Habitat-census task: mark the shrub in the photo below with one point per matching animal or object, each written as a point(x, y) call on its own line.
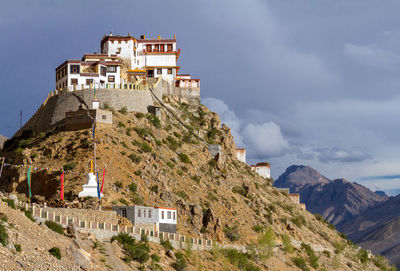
point(180, 263)
point(145, 147)
point(124, 201)
point(3, 235)
point(69, 166)
point(154, 120)
point(178, 135)
point(362, 255)
point(232, 233)
point(184, 158)
point(196, 178)
point(299, 221)
point(287, 244)
point(29, 215)
point(258, 228)
point(313, 259)
point(327, 253)
point(9, 202)
point(135, 158)
point(118, 184)
point(167, 245)
point(139, 115)
point(266, 243)
point(339, 246)
point(300, 263)
point(137, 200)
point(138, 172)
point(121, 124)
point(105, 106)
point(182, 194)
point(239, 190)
point(240, 259)
point(154, 188)
point(18, 247)
point(322, 219)
point(172, 143)
point(170, 164)
point(212, 197)
point(132, 187)
point(123, 238)
point(142, 132)
point(138, 252)
point(55, 251)
point(54, 226)
point(123, 110)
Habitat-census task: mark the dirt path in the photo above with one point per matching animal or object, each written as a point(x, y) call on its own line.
point(112, 259)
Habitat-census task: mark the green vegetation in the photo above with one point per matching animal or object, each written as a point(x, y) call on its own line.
point(123, 110)
point(134, 251)
point(135, 158)
point(382, 263)
point(3, 235)
point(362, 255)
point(118, 184)
point(145, 147)
point(181, 194)
point(300, 263)
point(180, 263)
point(299, 221)
point(137, 200)
point(240, 259)
point(54, 226)
point(184, 158)
point(29, 215)
point(18, 247)
point(172, 143)
point(154, 188)
point(312, 258)
point(123, 201)
point(120, 124)
point(143, 132)
point(266, 243)
point(167, 245)
point(258, 228)
point(138, 172)
point(339, 246)
point(139, 115)
point(326, 253)
point(132, 187)
point(9, 202)
point(232, 233)
point(154, 120)
point(287, 244)
point(239, 190)
point(69, 166)
point(55, 251)
point(323, 220)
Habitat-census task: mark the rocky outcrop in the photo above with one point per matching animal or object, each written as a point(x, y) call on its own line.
point(2, 140)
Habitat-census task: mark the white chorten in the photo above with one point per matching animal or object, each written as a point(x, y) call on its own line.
point(90, 188)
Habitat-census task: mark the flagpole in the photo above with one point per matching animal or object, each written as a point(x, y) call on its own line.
point(2, 165)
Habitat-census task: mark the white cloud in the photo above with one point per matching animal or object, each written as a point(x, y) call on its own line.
point(335, 154)
point(265, 140)
point(227, 116)
point(372, 56)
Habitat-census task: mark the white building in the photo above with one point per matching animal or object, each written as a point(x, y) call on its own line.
point(262, 169)
point(157, 218)
point(91, 69)
point(241, 154)
point(158, 57)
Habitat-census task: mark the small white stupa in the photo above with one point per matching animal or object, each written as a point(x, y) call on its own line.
point(90, 188)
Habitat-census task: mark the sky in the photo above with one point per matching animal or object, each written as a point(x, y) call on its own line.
point(311, 82)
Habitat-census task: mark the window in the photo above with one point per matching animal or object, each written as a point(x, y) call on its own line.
point(103, 71)
point(174, 217)
point(111, 78)
point(169, 71)
point(144, 213)
point(123, 212)
point(162, 214)
point(139, 213)
point(149, 213)
point(169, 47)
point(111, 68)
point(74, 69)
point(74, 81)
point(148, 48)
point(104, 117)
point(168, 215)
point(89, 81)
point(159, 71)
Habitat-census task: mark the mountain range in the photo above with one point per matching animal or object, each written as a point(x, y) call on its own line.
point(370, 219)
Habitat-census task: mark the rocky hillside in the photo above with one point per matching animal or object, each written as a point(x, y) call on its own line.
point(337, 201)
point(2, 140)
point(157, 162)
point(378, 229)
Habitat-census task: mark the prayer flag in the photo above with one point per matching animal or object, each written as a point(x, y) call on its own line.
point(102, 183)
point(62, 186)
point(29, 181)
point(98, 185)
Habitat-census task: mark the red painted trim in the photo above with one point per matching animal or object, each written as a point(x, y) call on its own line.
point(166, 208)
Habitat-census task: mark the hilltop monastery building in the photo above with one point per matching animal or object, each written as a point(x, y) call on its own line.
point(144, 58)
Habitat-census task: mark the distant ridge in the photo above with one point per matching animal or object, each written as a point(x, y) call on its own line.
point(338, 200)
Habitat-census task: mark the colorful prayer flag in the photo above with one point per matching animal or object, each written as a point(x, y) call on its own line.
point(98, 185)
point(102, 183)
point(29, 181)
point(62, 186)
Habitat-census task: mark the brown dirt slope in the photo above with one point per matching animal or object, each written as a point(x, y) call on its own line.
point(161, 164)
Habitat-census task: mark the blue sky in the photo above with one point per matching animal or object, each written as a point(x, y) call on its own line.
point(299, 82)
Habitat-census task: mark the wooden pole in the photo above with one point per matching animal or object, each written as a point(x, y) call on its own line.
point(2, 165)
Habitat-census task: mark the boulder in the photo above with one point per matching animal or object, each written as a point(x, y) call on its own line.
point(71, 231)
point(14, 198)
point(82, 258)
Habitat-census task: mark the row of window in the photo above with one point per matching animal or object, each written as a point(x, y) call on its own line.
point(158, 48)
point(159, 71)
point(169, 214)
point(74, 81)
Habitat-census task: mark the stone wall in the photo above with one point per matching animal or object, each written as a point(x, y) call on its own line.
point(162, 87)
